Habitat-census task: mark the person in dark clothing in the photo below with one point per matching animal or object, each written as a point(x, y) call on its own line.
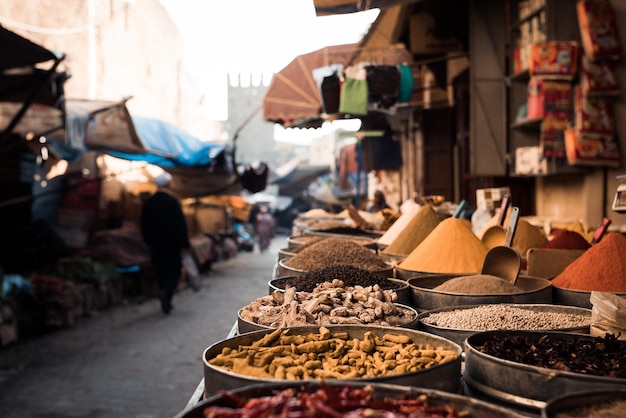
point(379, 202)
point(164, 230)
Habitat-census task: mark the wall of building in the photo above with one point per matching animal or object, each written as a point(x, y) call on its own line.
point(255, 136)
point(583, 197)
point(114, 49)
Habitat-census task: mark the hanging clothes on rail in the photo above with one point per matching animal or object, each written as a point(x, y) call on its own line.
point(354, 91)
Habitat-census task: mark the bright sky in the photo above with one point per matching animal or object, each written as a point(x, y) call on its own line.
point(254, 36)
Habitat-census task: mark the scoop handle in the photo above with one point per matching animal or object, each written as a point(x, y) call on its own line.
point(504, 207)
point(601, 230)
point(510, 231)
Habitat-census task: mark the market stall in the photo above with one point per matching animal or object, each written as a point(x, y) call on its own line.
point(506, 314)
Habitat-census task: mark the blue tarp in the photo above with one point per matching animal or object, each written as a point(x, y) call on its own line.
point(170, 146)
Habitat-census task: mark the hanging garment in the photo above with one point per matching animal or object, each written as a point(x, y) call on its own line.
point(331, 89)
point(329, 85)
point(354, 91)
point(405, 90)
point(383, 82)
point(254, 180)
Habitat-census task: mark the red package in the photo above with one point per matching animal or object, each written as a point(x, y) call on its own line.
point(552, 133)
point(547, 95)
point(597, 78)
point(594, 115)
point(591, 151)
point(554, 60)
point(598, 29)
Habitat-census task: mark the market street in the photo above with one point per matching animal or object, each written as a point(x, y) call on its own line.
point(132, 360)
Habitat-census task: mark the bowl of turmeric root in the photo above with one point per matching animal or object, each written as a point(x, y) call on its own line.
point(329, 303)
point(363, 353)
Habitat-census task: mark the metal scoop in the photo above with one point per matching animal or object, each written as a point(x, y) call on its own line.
point(503, 261)
point(496, 234)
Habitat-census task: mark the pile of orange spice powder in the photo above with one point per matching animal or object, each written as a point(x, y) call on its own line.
point(601, 268)
point(451, 247)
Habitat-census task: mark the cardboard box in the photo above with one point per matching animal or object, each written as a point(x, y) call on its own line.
point(530, 161)
point(489, 199)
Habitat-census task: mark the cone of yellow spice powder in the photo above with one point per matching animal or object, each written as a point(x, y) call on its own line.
point(527, 236)
point(418, 228)
point(451, 247)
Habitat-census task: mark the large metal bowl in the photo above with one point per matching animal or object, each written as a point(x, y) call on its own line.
point(243, 325)
point(424, 297)
point(569, 297)
point(445, 376)
point(474, 407)
point(405, 274)
point(400, 286)
point(459, 335)
point(522, 385)
point(583, 399)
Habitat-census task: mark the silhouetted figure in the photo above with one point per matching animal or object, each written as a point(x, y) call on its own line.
point(164, 230)
point(265, 226)
point(379, 202)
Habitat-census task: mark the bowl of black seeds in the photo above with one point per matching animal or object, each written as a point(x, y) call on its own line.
point(349, 275)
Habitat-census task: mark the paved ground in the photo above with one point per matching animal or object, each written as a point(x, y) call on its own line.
point(131, 360)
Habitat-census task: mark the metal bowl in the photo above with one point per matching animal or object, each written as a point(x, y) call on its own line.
point(474, 407)
point(459, 335)
point(243, 325)
point(583, 399)
point(569, 297)
point(425, 298)
point(524, 385)
point(401, 287)
point(391, 259)
point(284, 253)
point(285, 270)
point(404, 274)
point(445, 376)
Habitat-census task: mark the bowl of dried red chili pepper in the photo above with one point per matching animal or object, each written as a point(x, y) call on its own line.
point(326, 398)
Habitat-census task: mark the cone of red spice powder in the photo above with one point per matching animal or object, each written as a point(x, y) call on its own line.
point(567, 240)
point(601, 268)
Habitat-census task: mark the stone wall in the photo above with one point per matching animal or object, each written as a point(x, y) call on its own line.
point(114, 49)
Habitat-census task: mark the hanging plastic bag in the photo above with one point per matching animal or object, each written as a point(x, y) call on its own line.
point(608, 314)
point(354, 91)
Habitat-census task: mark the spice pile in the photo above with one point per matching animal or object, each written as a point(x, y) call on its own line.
point(329, 303)
point(567, 240)
point(333, 251)
point(503, 316)
point(422, 224)
point(348, 275)
point(478, 284)
point(296, 249)
point(451, 247)
point(601, 268)
point(586, 355)
point(527, 236)
point(331, 355)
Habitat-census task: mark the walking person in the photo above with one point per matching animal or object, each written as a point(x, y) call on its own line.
point(265, 225)
point(164, 230)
